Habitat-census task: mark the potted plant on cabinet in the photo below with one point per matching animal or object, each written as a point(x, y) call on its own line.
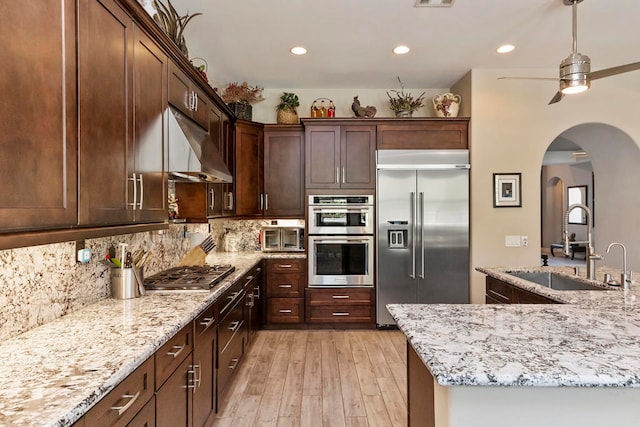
point(239, 98)
point(404, 104)
point(287, 113)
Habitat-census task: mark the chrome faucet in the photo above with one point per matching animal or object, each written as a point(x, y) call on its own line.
point(591, 256)
point(624, 278)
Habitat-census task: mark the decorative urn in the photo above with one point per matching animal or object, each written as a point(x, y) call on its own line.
point(447, 105)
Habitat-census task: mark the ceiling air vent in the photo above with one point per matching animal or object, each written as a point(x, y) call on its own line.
point(434, 3)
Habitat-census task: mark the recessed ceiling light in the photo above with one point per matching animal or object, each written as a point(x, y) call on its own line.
point(505, 48)
point(401, 50)
point(298, 50)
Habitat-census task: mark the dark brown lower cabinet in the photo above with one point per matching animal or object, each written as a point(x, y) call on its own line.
point(499, 292)
point(340, 305)
point(146, 417)
point(420, 391)
point(174, 400)
point(204, 362)
point(232, 338)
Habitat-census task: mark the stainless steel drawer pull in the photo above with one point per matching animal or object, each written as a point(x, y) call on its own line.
point(285, 266)
point(340, 314)
point(285, 311)
point(284, 286)
point(340, 296)
point(132, 398)
point(196, 377)
point(234, 325)
point(234, 363)
point(177, 350)
point(207, 322)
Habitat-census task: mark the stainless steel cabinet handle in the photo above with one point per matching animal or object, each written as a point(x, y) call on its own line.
point(413, 240)
point(196, 377)
point(250, 302)
point(266, 202)
point(230, 201)
point(337, 175)
point(213, 198)
point(422, 235)
point(257, 294)
point(195, 97)
point(141, 192)
point(285, 265)
point(284, 286)
point(135, 190)
point(234, 325)
point(340, 296)
point(261, 201)
point(207, 322)
point(343, 176)
point(177, 350)
point(338, 313)
point(234, 363)
point(132, 398)
point(285, 311)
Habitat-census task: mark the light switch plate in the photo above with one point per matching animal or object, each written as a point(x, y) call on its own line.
point(512, 241)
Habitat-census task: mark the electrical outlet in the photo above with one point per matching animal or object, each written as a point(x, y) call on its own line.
point(524, 241)
point(512, 241)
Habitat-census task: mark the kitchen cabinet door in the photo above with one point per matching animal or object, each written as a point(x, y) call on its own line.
point(340, 156)
point(284, 171)
point(249, 168)
point(322, 156)
point(148, 184)
point(105, 42)
point(185, 95)
point(38, 145)
point(204, 362)
point(358, 156)
point(228, 142)
point(174, 400)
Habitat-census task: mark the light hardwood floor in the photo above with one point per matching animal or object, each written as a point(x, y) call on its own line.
point(320, 378)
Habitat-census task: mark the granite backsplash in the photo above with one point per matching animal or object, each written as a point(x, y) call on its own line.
point(39, 284)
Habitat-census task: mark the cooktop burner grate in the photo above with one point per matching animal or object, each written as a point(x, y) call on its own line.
point(188, 278)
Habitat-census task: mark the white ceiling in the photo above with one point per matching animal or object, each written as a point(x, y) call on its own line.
point(350, 41)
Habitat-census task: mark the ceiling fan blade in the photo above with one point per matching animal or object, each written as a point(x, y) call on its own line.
point(556, 98)
point(528, 78)
point(614, 70)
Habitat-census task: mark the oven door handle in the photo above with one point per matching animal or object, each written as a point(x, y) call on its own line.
point(342, 240)
point(340, 210)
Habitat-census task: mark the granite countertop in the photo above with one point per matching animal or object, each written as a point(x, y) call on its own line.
point(589, 341)
point(53, 374)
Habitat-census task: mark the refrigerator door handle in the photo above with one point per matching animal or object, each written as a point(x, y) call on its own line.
point(422, 260)
point(413, 240)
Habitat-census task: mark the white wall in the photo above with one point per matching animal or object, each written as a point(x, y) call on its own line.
point(265, 111)
point(511, 128)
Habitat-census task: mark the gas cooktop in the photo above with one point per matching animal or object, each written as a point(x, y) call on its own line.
point(188, 278)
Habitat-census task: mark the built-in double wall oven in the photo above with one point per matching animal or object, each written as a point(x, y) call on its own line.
point(340, 247)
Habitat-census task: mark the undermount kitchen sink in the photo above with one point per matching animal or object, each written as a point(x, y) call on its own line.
point(556, 281)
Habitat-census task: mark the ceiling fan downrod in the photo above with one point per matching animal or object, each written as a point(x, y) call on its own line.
point(575, 69)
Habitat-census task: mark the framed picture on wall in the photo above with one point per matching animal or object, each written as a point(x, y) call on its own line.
point(507, 190)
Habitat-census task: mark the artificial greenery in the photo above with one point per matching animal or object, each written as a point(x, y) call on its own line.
point(241, 93)
point(288, 101)
point(402, 101)
point(172, 23)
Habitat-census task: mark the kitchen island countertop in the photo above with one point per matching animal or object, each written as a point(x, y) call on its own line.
point(590, 341)
point(53, 374)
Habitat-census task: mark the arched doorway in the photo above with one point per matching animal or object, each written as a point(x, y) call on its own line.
point(612, 193)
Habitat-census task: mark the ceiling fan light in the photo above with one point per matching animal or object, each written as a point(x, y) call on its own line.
point(576, 85)
point(574, 74)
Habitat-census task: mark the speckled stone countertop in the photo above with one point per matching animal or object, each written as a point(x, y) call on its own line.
point(592, 340)
point(53, 374)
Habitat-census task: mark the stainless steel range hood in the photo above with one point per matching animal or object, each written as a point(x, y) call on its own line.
point(192, 154)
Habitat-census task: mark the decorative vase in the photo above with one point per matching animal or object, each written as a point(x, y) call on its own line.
point(447, 105)
point(242, 110)
point(287, 117)
point(404, 113)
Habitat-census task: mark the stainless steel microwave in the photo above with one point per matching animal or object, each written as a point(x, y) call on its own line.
point(282, 239)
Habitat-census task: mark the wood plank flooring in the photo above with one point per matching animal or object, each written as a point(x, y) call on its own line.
point(320, 378)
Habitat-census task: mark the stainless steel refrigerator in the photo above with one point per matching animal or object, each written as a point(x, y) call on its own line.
point(422, 214)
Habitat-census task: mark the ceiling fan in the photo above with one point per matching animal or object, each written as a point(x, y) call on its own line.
point(575, 70)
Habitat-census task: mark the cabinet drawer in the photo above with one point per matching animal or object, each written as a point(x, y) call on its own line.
point(121, 404)
point(169, 356)
point(499, 290)
point(230, 298)
point(146, 417)
point(228, 362)
point(205, 325)
point(339, 296)
point(285, 310)
point(285, 285)
point(232, 324)
point(340, 314)
point(284, 265)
